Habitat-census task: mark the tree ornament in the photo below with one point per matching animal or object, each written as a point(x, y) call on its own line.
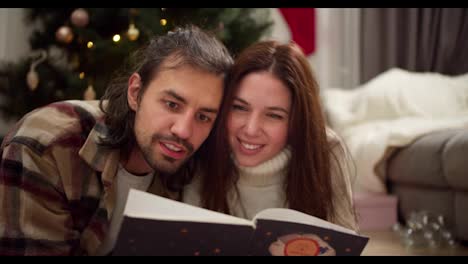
point(80, 17)
point(64, 34)
point(90, 94)
point(133, 32)
point(32, 78)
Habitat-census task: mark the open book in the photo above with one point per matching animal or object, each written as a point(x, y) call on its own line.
point(154, 225)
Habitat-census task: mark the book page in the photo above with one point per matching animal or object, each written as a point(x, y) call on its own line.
point(141, 204)
point(289, 215)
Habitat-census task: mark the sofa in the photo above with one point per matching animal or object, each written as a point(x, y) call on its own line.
point(408, 135)
point(432, 174)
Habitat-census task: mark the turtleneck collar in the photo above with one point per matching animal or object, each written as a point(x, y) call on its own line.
point(267, 173)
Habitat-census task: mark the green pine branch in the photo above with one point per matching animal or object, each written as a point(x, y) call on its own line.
point(59, 75)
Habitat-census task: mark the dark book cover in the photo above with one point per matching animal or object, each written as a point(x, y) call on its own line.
point(147, 237)
point(156, 226)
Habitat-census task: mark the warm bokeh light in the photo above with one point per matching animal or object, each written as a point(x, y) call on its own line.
point(116, 38)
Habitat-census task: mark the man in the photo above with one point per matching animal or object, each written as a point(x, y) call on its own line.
point(66, 168)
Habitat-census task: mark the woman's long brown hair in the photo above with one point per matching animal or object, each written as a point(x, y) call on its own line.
point(308, 186)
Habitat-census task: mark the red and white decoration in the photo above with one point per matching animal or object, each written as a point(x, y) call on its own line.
point(302, 26)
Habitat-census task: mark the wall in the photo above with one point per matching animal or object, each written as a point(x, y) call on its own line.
point(335, 62)
point(336, 59)
point(14, 34)
point(14, 43)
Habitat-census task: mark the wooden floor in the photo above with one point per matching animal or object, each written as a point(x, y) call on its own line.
point(387, 243)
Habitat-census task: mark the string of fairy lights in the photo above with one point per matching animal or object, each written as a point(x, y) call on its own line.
point(64, 34)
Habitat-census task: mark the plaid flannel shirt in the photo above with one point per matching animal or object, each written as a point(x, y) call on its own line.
point(56, 183)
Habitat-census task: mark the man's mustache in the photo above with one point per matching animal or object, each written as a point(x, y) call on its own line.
point(183, 142)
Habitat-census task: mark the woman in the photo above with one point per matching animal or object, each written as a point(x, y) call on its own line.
point(271, 147)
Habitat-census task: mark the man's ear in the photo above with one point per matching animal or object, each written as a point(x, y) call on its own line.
point(134, 87)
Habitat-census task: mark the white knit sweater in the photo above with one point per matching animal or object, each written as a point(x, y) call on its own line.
point(261, 187)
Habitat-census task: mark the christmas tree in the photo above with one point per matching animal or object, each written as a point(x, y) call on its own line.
point(75, 51)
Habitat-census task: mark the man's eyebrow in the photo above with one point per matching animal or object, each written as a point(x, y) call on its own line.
point(209, 110)
point(182, 99)
point(176, 96)
point(241, 100)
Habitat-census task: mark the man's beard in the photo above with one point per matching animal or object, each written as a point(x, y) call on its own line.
point(165, 164)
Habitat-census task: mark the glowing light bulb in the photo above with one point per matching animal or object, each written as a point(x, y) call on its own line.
point(116, 38)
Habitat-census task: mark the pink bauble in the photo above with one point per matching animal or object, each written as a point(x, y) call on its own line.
point(80, 17)
point(64, 34)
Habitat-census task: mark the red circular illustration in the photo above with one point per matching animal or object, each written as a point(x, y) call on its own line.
point(301, 246)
